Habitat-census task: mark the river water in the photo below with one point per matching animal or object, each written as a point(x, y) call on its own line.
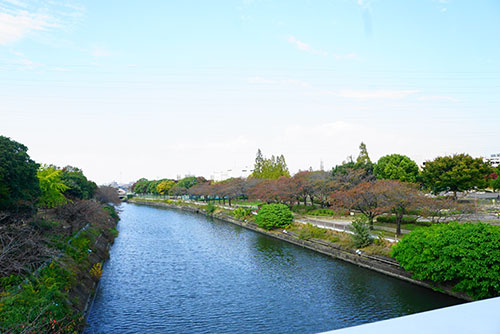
point(176, 272)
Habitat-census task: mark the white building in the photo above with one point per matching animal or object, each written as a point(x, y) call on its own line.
point(494, 160)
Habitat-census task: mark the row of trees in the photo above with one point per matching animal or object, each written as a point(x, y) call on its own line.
point(25, 185)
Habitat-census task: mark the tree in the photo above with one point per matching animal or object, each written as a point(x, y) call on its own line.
point(274, 215)
point(361, 233)
point(79, 187)
point(107, 194)
point(52, 187)
point(459, 172)
point(399, 198)
point(466, 256)
point(19, 186)
point(363, 157)
point(164, 186)
point(187, 182)
point(272, 168)
point(396, 167)
point(369, 198)
point(140, 186)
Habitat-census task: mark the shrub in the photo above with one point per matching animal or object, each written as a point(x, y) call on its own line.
point(240, 213)
point(303, 209)
point(361, 237)
point(321, 212)
point(210, 208)
point(392, 219)
point(311, 231)
point(112, 212)
point(466, 256)
point(274, 215)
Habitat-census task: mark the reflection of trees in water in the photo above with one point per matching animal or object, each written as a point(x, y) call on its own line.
point(274, 251)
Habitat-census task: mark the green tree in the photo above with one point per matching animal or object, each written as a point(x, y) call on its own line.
point(466, 256)
point(19, 187)
point(495, 183)
point(363, 157)
point(459, 172)
point(396, 167)
point(164, 186)
point(187, 182)
point(51, 186)
point(274, 215)
point(272, 168)
point(79, 187)
point(361, 233)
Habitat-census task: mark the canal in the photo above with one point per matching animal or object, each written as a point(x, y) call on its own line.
point(176, 272)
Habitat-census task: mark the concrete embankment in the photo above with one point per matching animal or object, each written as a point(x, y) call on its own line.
point(384, 265)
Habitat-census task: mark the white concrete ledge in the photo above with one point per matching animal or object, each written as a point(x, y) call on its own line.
point(474, 317)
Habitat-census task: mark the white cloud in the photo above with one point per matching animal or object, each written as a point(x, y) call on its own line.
point(374, 94)
point(306, 47)
point(15, 27)
point(20, 19)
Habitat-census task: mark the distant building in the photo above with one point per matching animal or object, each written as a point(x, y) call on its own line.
point(494, 160)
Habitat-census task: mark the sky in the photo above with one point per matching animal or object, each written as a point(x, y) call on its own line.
point(157, 89)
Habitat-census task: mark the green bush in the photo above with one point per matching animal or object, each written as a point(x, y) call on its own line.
point(303, 209)
point(466, 256)
point(210, 208)
point(112, 212)
point(241, 213)
point(310, 231)
point(321, 212)
point(274, 215)
point(392, 220)
point(361, 237)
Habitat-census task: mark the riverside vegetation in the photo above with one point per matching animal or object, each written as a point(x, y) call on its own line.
point(393, 193)
point(55, 226)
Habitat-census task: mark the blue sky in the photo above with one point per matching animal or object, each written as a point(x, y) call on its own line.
point(128, 89)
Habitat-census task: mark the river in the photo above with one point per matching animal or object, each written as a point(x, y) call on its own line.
point(172, 271)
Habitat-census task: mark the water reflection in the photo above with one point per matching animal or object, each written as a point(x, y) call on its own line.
point(177, 272)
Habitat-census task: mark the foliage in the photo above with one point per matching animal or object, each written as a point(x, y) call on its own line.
point(459, 172)
point(321, 212)
point(495, 183)
point(241, 213)
point(274, 215)
point(466, 256)
point(96, 271)
point(107, 195)
point(112, 212)
point(310, 231)
point(51, 186)
point(396, 167)
point(303, 209)
point(164, 186)
point(79, 187)
point(40, 304)
point(272, 168)
point(187, 182)
point(369, 198)
point(210, 208)
point(361, 237)
point(19, 187)
point(393, 219)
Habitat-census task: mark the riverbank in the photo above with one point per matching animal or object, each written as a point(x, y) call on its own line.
point(381, 264)
point(71, 244)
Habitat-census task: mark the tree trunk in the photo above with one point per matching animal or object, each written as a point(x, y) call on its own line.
point(398, 222)
point(370, 220)
point(229, 201)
